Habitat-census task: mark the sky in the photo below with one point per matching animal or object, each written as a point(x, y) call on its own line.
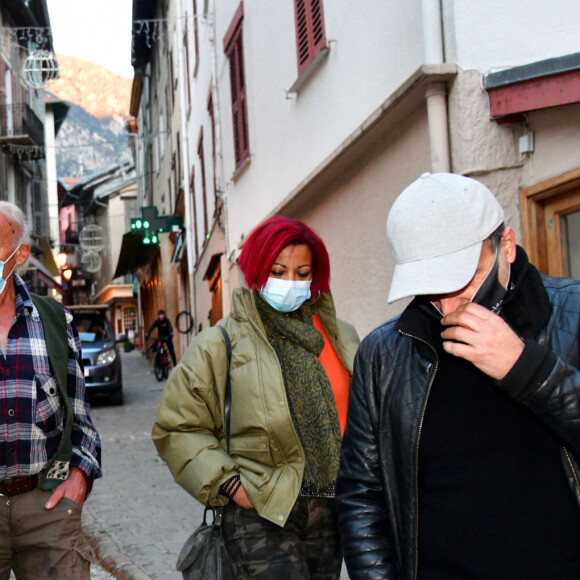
point(94, 30)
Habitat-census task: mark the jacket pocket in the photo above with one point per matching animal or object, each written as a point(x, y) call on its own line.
point(253, 456)
point(49, 411)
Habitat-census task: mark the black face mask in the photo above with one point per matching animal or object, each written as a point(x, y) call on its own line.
point(491, 293)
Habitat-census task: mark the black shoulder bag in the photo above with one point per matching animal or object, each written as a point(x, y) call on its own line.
point(204, 554)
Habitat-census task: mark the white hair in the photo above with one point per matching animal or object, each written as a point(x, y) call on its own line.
point(16, 216)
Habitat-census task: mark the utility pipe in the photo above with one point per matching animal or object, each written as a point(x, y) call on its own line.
point(436, 96)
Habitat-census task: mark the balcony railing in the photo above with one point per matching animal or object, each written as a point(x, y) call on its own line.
point(19, 124)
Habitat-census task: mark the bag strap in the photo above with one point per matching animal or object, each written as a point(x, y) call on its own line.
point(53, 319)
point(228, 393)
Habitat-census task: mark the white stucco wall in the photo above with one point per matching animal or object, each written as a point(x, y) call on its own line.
point(290, 135)
point(492, 34)
point(351, 219)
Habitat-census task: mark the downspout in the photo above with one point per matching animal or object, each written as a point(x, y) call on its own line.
point(188, 222)
point(221, 183)
point(436, 95)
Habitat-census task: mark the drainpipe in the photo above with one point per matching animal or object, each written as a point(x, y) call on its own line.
point(220, 178)
point(436, 95)
point(189, 230)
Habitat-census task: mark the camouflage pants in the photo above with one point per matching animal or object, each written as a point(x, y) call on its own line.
point(306, 548)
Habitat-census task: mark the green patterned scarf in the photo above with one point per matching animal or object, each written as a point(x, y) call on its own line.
point(298, 344)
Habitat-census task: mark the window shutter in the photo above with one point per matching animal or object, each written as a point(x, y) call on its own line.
point(195, 30)
point(233, 47)
point(241, 145)
point(310, 33)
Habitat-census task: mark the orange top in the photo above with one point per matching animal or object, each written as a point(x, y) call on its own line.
point(337, 374)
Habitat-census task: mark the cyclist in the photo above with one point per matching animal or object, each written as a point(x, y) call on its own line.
point(164, 332)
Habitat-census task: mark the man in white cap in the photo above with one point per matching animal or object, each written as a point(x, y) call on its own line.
point(460, 455)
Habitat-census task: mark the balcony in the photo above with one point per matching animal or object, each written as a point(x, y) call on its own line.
point(20, 125)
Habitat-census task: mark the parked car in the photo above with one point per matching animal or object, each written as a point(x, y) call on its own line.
point(101, 354)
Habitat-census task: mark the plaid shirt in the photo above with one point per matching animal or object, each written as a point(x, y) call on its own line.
point(31, 413)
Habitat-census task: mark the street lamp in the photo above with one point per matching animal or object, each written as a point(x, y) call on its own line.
point(61, 258)
point(67, 273)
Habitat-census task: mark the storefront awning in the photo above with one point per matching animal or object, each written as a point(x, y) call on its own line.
point(47, 257)
point(134, 254)
point(43, 273)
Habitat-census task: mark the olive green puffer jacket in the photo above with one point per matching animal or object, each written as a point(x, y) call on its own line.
point(264, 446)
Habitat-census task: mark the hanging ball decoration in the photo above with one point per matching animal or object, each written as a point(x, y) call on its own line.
point(40, 68)
point(91, 261)
point(92, 238)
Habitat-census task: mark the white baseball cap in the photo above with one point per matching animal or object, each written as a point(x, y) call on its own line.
point(436, 229)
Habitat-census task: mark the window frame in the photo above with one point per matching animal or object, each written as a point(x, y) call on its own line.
point(311, 42)
point(234, 50)
point(544, 203)
point(200, 153)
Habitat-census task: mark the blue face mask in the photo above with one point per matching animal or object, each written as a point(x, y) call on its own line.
point(3, 278)
point(286, 295)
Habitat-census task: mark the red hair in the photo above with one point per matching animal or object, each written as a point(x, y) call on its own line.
point(266, 242)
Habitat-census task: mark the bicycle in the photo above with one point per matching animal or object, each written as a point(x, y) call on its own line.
point(161, 359)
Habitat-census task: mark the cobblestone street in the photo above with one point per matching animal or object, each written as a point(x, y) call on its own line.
point(137, 503)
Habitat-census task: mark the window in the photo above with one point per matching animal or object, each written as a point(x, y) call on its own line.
point(156, 156)
point(192, 193)
point(214, 278)
point(551, 224)
point(186, 50)
point(233, 47)
point(213, 158)
point(161, 135)
point(129, 318)
point(178, 175)
point(310, 34)
point(195, 32)
point(203, 188)
point(172, 80)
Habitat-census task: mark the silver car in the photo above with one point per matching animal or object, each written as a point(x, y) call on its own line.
point(101, 354)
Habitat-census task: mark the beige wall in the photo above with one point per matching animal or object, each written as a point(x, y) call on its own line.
point(557, 143)
point(351, 220)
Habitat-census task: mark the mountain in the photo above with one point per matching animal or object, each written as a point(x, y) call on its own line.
point(93, 136)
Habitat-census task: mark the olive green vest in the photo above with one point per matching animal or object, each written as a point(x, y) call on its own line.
point(53, 320)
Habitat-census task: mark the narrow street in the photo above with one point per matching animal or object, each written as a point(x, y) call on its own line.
point(136, 502)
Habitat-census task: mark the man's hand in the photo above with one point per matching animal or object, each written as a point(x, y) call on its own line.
point(74, 487)
point(483, 338)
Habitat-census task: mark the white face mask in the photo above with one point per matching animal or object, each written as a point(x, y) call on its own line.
point(286, 295)
point(3, 278)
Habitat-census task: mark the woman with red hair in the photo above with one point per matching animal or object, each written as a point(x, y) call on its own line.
point(290, 370)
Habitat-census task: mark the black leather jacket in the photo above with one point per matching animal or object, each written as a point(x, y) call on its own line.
point(394, 369)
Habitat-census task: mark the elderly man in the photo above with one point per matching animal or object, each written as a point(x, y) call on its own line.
point(49, 448)
point(459, 458)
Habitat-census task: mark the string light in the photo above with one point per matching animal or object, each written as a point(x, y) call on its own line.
point(41, 37)
point(26, 152)
point(151, 30)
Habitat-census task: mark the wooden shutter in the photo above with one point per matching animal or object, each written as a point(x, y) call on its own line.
point(310, 33)
point(2, 81)
point(233, 47)
point(239, 110)
point(193, 201)
point(195, 30)
point(187, 69)
point(200, 154)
